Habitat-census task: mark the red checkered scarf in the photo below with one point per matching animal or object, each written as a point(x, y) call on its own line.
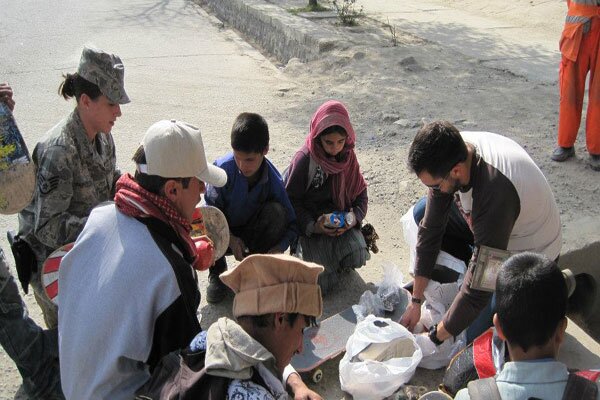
point(133, 200)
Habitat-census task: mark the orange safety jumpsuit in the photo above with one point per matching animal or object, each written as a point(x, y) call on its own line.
point(579, 48)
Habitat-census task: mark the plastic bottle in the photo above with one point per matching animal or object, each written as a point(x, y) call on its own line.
point(350, 218)
point(335, 219)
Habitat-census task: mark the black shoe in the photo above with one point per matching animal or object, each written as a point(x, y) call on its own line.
point(595, 162)
point(216, 290)
point(561, 154)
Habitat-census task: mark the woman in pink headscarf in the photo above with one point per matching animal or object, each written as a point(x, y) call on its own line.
point(325, 177)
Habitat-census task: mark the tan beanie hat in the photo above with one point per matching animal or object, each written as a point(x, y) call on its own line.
point(265, 284)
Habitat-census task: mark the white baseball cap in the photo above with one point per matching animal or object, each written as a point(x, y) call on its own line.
point(174, 149)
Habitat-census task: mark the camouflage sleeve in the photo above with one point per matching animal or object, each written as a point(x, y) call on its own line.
point(54, 225)
point(113, 155)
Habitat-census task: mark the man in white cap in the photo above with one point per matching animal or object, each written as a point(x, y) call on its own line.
point(276, 297)
point(128, 291)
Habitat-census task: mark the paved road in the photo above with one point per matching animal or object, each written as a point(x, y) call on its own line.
point(178, 64)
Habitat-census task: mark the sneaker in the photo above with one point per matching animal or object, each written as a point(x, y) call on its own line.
point(595, 162)
point(216, 290)
point(561, 154)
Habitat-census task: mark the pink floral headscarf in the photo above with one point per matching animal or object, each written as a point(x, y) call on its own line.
point(347, 181)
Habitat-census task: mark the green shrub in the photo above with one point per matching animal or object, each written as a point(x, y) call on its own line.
point(347, 12)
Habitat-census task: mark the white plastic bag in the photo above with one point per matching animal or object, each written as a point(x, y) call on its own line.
point(438, 298)
point(436, 357)
point(374, 380)
point(410, 230)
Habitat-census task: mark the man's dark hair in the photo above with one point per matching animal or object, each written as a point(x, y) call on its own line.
point(266, 320)
point(250, 133)
point(436, 148)
point(531, 299)
point(153, 183)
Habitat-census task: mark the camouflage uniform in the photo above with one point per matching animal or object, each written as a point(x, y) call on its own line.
point(74, 174)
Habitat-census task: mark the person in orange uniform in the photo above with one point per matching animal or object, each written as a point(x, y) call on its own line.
point(579, 48)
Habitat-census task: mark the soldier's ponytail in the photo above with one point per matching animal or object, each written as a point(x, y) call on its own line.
point(74, 86)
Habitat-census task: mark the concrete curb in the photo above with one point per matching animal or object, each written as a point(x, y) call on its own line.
point(272, 28)
point(581, 254)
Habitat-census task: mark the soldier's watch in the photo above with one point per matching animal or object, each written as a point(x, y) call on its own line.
point(433, 335)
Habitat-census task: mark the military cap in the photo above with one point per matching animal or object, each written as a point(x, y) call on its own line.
point(105, 71)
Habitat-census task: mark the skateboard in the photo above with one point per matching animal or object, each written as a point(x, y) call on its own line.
point(17, 170)
point(324, 342)
point(328, 340)
point(208, 220)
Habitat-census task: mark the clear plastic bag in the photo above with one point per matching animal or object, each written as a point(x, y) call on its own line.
point(390, 290)
point(369, 304)
point(374, 380)
point(390, 298)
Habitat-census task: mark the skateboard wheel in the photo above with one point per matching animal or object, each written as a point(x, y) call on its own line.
point(317, 376)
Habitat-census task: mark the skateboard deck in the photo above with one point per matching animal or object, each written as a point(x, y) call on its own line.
point(324, 342)
point(328, 340)
point(208, 221)
point(17, 171)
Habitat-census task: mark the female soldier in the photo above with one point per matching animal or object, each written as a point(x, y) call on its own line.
point(76, 164)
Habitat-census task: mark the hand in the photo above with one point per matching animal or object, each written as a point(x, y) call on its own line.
point(237, 247)
point(321, 229)
point(6, 95)
point(342, 230)
point(300, 390)
point(411, 316)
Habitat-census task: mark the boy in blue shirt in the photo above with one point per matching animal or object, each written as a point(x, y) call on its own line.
point(260, 216)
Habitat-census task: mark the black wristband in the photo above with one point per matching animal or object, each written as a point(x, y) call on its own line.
point(433, 335)
point(416, 300)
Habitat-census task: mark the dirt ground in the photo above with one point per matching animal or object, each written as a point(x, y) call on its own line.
point(389, 91)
